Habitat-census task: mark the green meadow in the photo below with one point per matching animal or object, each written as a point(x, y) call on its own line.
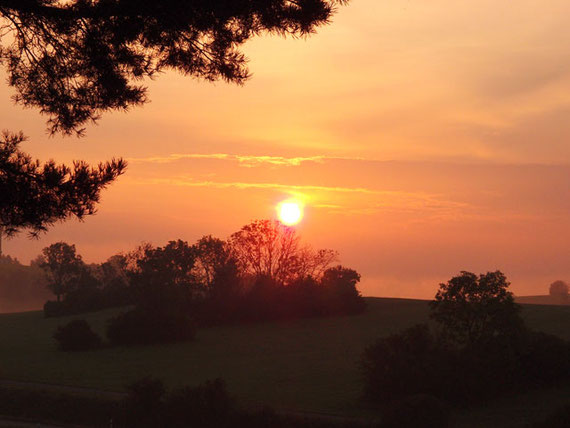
point(306, 365)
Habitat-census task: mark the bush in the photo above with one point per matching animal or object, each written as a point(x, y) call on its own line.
point(85, 300)
point(483, 348)
point(410, 362)
point(148, 405)
point(139, 327)
point(417, 362)
point(206, 405)
point(77, 336)
point(419, 410)
point(53, 309)
point(545, 360)
point(560, 418)
point(144, 405)
point(57, 407)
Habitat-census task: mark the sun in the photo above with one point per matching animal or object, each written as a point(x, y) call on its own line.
point(290, 212)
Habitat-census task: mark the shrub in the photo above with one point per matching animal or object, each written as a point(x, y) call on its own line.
point(545, 360)
point(85, 300)
point(418, 410)
point(560, 418)
point(410, 362)
point(76, 336)
point(58, 407)
point(139, 327)
point(417, 362)
point(144, 405)
point(53, 308)
point(206, 405)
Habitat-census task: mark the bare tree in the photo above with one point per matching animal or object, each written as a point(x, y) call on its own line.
point(268, 248)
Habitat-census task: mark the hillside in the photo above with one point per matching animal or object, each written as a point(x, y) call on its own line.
point(542, 300)
point(304, 365)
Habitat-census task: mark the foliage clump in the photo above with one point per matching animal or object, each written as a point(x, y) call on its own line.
point(261, 273)
point(479, 349)
point(148, 404)
point(36, 196)
point(77, 336)
point(472, 310)
point(75, 59)
point(138, 327)
point(80, 287)
point(559, 291)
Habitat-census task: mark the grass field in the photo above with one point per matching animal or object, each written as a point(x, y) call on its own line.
point(307, 365)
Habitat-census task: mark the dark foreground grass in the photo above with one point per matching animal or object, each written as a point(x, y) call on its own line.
point(307, 365)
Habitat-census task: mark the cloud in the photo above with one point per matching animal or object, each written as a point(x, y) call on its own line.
point(189, 182)
point(248, 161)
point(337, 199)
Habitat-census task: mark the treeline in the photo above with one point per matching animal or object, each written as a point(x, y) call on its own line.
point(261, 273)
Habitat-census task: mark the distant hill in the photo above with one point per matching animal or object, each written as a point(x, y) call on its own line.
point(541, 300)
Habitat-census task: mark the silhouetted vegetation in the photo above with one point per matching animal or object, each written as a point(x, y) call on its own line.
point(140, 327)
point(76, 336)
point(79, 287)
point(262, 273)
point(472, 310)
point(560, 418)
point(64, 268)
point(74, 60)
point(559, 290)
point(479, 349)
point(149, 405)
point(54, 407)
point(35, 195)
point(415, 411)
point(208, 405)
point(115, 44)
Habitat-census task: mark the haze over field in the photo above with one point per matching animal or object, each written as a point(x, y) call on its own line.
point(431, 137)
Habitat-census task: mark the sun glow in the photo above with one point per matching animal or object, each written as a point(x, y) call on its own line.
point(290, 212)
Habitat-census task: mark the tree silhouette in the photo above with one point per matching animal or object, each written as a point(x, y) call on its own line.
point(212, 254)
point(473, 309)
point(342, 295)
point(76, 59)
point(63, 268)
point(270, 249)
point(165, 277)
point(35, 195)
point(559, 289)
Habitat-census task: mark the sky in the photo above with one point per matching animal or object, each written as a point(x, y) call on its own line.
point(425, 138)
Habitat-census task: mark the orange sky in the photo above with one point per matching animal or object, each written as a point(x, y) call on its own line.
point(426, 137)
